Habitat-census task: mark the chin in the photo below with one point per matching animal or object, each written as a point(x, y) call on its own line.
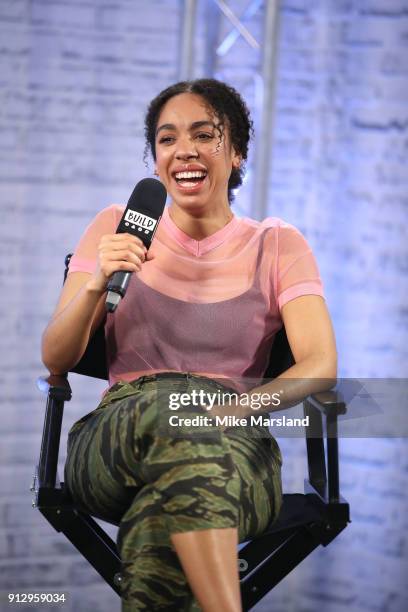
point(189, 202)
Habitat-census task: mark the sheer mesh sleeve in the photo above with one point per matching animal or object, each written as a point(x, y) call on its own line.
point(84, 258)
point(298, 273)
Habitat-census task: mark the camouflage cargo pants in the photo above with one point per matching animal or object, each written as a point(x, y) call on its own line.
point(122, 466)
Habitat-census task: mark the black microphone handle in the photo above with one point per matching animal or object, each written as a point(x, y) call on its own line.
point(117, 286)
point(119, 282)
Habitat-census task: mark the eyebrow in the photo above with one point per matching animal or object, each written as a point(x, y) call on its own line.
point(193, 126)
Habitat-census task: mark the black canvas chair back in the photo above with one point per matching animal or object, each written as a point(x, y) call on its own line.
point(306, 521)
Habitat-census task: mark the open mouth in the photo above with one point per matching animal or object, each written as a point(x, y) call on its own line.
point(191, 178)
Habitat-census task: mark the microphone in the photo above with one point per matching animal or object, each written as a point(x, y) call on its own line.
point(141, 218)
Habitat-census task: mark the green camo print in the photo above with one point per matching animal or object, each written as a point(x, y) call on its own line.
point(122, 466)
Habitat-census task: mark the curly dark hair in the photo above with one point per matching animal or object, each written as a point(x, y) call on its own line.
point(227, 105)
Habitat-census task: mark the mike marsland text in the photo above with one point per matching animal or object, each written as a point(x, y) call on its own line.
point(233, 421)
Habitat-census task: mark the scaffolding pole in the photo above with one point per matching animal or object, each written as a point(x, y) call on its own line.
point(186, 68)
point(263, 151)
point(212, 31)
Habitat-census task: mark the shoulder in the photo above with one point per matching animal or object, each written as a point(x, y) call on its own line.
point(279, 238)
point(275, 223)
point(106, 220)
point(110, 214)
point(277, 229)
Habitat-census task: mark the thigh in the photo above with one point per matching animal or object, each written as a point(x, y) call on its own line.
point(115, 450)
point(258, 462)
point(101, 470)
point(124, 445)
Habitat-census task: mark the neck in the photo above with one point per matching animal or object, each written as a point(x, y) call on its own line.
point(199, 224)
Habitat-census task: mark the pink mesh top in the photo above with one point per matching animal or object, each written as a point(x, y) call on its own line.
point(210, 307)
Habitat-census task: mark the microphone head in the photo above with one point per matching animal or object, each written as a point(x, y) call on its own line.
point(144, 210)
point(149, 194)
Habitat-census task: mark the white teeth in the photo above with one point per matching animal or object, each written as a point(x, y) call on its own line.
point(187, 184)
point(187, 175)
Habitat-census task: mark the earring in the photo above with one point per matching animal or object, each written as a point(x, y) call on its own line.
point(155, 172)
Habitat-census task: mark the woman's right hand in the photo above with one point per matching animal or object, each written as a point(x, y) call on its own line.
point(117, 252)
point(81, 306)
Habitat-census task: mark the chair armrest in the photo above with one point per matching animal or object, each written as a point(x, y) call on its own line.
point(58, 391)
point(55, 386)
point(330, 403)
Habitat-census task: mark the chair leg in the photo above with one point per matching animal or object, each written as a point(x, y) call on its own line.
point(89, 539)
point(298, 546)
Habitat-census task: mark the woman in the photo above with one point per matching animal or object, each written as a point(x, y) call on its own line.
point(200, 314)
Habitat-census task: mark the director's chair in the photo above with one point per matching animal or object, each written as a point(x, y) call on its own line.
point(306, 520)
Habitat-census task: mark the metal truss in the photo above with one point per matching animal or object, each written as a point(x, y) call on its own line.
point(264, 78)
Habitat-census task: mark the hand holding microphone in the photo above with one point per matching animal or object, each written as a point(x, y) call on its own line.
point(122, 253)
point(118, 252)
point(140, 219)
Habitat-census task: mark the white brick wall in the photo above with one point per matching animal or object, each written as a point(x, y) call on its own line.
point(75, 79)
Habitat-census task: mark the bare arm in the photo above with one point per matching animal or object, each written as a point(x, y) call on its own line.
point(80, 309)
point(311, 338)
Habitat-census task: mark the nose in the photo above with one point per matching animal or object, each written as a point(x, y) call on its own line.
point(186, 149)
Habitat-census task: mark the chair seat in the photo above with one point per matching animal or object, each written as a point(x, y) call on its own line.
point(297, 509)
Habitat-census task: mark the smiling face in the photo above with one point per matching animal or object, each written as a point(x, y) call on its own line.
point(194, 158)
